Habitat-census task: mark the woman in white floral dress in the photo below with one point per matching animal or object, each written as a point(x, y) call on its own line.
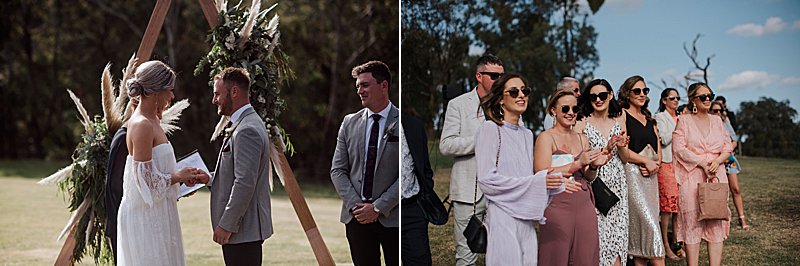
point(600, 121)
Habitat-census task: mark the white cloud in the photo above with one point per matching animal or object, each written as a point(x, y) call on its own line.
point(749, 79)
point(791, 81)
point(772, 25)
point(797, 24)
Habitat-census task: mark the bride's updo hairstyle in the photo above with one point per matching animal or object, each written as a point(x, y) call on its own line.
point(151, 77)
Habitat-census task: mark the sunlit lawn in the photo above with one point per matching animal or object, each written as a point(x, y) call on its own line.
point(771, 191)
point(31, 216)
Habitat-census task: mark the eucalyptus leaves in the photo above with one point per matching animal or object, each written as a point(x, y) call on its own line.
point(247, 38)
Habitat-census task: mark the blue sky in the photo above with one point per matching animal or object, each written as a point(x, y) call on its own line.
point(755, 43)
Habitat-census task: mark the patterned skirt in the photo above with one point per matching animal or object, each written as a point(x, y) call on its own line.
point(732, 165)
point(667, 189)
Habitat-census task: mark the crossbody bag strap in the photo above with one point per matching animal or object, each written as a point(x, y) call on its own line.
point(496, 163)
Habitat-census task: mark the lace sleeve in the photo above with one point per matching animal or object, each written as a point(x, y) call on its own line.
point(151, 183)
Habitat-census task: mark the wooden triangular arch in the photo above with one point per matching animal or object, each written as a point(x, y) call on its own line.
point(291, 186)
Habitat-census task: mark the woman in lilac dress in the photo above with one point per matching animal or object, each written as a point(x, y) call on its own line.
point(516, 197)
point(570, 235)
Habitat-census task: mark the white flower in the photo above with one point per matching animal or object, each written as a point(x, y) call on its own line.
point(229, 41)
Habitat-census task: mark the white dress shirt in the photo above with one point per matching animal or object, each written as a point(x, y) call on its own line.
point(381, 124)
point(238, 113)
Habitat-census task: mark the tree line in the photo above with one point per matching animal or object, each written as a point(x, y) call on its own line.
point(50, 46)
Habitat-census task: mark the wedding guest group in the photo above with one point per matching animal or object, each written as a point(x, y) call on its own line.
point(605, 181)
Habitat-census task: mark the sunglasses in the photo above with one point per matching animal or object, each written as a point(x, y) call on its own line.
point(565, 109)
point(602, 96)
point(514, 92)
point(638, 91)
point(576, 90)
point(716, 111)
point(492, 75)
point(674, 98)
point(705, 97)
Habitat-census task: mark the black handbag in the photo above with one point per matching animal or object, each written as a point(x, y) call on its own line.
point(604, 198)
point(432, 207)
point(476, 234)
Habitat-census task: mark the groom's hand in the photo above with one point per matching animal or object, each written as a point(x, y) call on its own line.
point(365, 213)
point(221, 236)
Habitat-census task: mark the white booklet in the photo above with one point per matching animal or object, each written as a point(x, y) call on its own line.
point(192, 159)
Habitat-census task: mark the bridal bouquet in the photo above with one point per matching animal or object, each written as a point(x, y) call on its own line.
point(247, 38)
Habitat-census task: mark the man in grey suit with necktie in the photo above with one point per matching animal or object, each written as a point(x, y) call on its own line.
point(461, 122)
point(365, 169)
point(240, 200)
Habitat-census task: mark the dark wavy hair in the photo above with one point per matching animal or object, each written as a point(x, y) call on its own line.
point(626, 88)
point(491, 102)
point(585, 105)
point(693, 93)
point(664, 95)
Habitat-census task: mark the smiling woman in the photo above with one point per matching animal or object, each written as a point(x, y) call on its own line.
point(504, 155)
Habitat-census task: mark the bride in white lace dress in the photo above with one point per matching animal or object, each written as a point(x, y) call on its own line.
point(148, 226)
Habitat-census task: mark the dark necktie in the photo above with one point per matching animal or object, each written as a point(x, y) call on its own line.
point(372, 152)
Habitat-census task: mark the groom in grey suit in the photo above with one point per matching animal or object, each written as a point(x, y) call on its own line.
point(365, 170)
point(240, 201)
point(461, 122)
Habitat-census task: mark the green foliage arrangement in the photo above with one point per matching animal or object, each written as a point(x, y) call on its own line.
point(85, 187)
point(245, 38)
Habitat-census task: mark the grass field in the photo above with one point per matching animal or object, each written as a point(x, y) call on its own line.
point(771, 192)
point(31, 216)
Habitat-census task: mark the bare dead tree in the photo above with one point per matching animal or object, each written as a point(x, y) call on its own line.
point(693, 56)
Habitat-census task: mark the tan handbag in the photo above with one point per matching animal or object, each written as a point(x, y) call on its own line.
point(650, 153)
point(713, 200)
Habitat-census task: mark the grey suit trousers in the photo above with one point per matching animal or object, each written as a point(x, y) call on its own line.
point(461, 213)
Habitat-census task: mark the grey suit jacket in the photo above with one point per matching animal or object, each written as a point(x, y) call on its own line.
point(240, 201)
point(665, 126)
point(347, 167)
point(461, 122)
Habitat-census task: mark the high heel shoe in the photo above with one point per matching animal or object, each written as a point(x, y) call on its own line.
point(743, 224)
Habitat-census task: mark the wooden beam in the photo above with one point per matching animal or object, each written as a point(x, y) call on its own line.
point(210, 12)
point(153, 30)
point(65, 256)
point(318, 246)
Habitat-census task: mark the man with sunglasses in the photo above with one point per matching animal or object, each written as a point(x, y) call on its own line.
point(567, 84)
point(461, 122)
